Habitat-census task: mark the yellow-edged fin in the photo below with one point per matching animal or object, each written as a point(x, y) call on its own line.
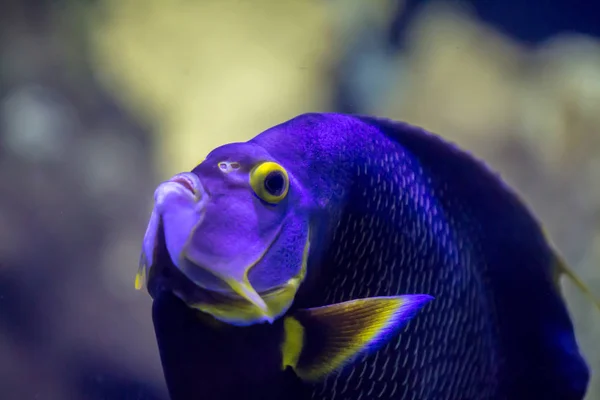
point(319, 341)
point(561, 267)
point(140, 277)
point(242, 312)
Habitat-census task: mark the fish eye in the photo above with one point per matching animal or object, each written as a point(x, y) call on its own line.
point(270, 182)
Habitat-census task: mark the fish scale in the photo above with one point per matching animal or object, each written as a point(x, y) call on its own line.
point(425, 320)
point(363, 263)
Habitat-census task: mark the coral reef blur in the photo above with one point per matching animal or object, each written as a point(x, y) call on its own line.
point(100, 100)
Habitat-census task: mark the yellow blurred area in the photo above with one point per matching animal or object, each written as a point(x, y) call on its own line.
point(209, 72)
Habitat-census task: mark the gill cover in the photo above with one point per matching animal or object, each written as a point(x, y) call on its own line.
point(274, 302)
point(180, 205)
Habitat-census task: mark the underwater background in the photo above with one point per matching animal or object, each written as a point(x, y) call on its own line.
point(100, 100)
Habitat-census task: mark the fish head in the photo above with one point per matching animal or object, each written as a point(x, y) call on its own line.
point(234, 228)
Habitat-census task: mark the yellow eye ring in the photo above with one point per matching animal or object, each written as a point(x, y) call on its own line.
point(270, 182)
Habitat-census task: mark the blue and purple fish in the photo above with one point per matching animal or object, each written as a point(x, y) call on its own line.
point(289, 267)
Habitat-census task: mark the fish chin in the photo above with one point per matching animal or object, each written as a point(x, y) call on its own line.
point(237, 302)
point(225, 302)
point(222, 303)
point(233, 309)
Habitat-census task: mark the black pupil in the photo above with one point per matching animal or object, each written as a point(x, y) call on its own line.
point(275, 183)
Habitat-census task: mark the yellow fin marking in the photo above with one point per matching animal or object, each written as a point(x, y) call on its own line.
point(563, 268)
point(140, 277)
point(292, 344)
point(245, 290)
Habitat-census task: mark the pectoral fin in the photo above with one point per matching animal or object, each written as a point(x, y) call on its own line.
point(140, 278)
point(141, 275)
point(321, 340)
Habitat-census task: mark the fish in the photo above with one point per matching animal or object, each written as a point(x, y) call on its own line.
point(284, 263)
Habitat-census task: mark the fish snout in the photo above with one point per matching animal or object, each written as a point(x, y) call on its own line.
point(182, 190)
point(179, 206)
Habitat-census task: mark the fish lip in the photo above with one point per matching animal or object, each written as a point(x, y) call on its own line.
point(185, 181)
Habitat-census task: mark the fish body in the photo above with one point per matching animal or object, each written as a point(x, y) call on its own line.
point(205, 363)
point(385, 209)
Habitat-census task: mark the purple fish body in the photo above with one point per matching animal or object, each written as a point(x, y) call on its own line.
point(390, 209)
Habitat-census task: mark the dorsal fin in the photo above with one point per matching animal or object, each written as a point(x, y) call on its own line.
point(561, 268)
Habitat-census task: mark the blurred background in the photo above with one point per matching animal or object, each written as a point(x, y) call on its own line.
point(100, 100)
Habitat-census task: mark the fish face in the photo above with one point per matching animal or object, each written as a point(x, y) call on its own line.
point(230, 228)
